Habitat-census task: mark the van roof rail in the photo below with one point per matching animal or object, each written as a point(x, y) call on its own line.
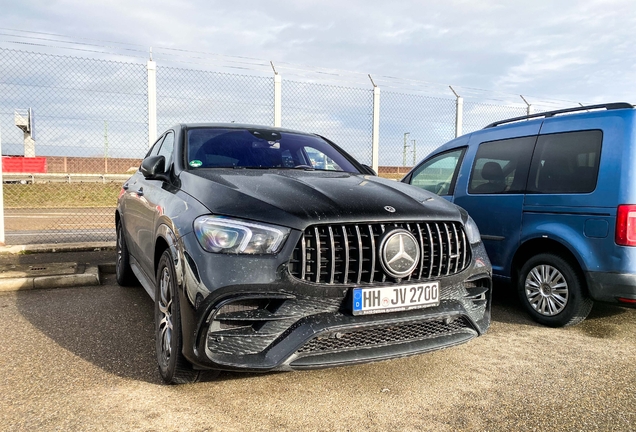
point(547, 114)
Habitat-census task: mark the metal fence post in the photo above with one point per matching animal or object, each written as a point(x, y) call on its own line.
point(459, 113)
point(151, 66)
point(278, 97)
point(375, 137)
point(529, 108)
point(1, 196)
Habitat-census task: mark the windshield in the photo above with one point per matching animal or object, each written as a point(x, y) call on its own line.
point(262, 148)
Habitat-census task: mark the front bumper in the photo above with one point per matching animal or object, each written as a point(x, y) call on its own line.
point(271, 321)
point(610, 287)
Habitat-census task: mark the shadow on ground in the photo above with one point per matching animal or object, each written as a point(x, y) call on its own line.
point(113, 327)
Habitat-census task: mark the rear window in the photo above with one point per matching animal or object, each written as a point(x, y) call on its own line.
point(566, 163)
point(262, 148)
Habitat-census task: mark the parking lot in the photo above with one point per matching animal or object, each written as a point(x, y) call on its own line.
point(83, 359)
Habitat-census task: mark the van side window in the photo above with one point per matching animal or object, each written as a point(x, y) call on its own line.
point(501, 166)
point(566, 163)
point(438, 174)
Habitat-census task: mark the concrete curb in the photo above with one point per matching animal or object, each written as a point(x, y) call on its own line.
point(57, 247)
point(90, 276)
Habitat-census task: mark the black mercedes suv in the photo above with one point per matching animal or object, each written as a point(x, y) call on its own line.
point(269, 249)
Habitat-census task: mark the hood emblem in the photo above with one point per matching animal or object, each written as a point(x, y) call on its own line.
point(399, 253)
point(389, 209)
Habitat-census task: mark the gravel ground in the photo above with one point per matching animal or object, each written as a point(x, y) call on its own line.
point(83, 359)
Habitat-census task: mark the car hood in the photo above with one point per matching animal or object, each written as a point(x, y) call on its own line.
point(297, 198)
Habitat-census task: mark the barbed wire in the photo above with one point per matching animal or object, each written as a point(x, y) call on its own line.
point(246, 63)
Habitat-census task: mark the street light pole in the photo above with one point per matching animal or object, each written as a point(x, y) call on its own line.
point(406, 134)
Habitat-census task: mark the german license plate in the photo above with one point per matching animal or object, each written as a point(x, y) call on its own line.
point(395, 298)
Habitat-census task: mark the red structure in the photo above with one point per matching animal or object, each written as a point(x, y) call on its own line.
point(34, 165)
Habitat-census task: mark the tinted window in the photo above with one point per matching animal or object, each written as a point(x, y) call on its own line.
point(501, 166)
point(437, 174)
point(566, 163)
point(255, 148)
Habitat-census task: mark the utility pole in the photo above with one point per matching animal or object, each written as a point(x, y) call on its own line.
point(406, 134)
point(414, 153)
point(105, 147)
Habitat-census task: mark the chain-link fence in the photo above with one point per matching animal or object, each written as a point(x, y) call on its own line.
point(83, 124)
point(185, 96)
point(411, 126)
point(73, 129)
point(478, 115)
point(342, 114)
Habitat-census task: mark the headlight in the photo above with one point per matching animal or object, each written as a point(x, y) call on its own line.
point(225, 235)
point(472, 231)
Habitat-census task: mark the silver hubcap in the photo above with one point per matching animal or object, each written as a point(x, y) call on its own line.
point(165, 308)
point(546, 290)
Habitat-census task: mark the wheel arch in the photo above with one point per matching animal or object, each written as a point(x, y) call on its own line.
point(540, 245)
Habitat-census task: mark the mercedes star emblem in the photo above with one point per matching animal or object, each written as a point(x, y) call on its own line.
point(399, 253)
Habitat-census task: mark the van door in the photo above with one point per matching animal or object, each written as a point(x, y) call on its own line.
point(438, 174)
point(495, 174)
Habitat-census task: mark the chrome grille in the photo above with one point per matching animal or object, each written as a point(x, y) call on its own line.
point(347, 254)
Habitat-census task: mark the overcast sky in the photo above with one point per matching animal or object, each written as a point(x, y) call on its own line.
point(581, 50)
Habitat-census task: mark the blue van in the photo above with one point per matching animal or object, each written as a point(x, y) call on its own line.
point(554, 196)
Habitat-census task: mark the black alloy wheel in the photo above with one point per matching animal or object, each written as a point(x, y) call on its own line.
point(123, 271)
point(173, 366)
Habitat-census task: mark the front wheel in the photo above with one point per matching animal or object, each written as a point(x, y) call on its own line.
point(123, 271)
point(173, 366)
point(551, 290)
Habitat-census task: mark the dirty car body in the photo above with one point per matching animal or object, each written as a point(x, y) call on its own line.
point(268, 249)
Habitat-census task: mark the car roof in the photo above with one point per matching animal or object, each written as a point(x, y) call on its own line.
point(240, 126)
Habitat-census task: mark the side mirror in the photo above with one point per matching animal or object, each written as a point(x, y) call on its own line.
point(369, 170)
point(153, 168)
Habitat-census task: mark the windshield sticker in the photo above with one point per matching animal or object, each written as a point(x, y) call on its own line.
point(196, 163)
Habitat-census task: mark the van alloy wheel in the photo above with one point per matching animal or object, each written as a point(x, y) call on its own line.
point(546, 290)
point(553, 291)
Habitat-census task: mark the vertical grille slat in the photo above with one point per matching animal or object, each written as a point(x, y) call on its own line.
point(348, 254)
point(449, 252)
point(345, 239)
point(419, 232)
point(372, 272)
point(318, 257)
point(360, 255)
point(303, 260)
point(332, 246)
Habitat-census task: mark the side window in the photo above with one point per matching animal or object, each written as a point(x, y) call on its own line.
point(155, 147)
point(166, 149)
point(501, 166)
point(438, 174)
point(566, 163)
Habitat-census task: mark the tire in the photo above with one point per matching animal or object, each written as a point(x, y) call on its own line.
point(551, 290)
point(173, 366)
point(125, 275)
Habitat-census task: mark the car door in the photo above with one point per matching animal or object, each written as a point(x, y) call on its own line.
point(496, 173)
point(133, 207)
point(153, 195)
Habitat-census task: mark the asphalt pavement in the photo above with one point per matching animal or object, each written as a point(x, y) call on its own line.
point(83, 359)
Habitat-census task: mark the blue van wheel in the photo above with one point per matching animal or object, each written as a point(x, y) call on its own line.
point(552, 292)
